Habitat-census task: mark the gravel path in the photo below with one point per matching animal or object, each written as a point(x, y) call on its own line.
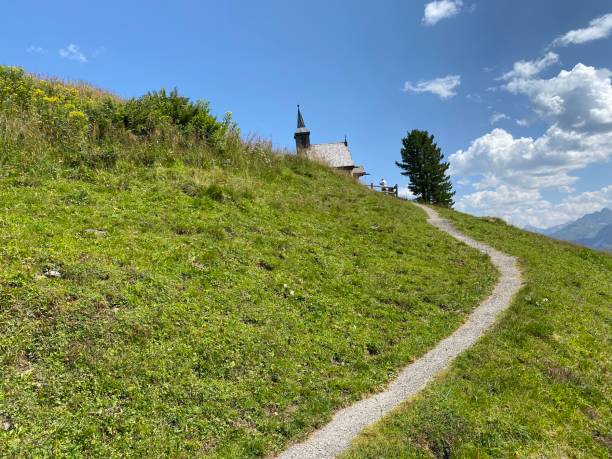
point(347, 423)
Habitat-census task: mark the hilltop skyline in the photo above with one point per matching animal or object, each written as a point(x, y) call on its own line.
point(518, 95)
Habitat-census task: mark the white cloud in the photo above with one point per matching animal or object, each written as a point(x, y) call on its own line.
point(441, 9)
point(509, 172)
point(530, 69)
point(579, 99)
point(498, 158)
point(405, 193)
point(598, 28)
point(497, 117)
point(522, 122)
point(527, 207)
point(73, 52)
point(566, 189)
point(578, 106)
point(502, 197)
point(35, 50)
point(443, 87)
point(585, 203)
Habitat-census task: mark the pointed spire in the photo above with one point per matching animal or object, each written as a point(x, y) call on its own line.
point(301, 123)
point(302, 134)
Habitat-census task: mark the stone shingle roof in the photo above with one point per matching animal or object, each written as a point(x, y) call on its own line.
point(332, 154)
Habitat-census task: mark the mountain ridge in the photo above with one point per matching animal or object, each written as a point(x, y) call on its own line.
point(590, 230)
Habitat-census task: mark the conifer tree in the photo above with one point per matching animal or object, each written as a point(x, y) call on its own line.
point(422, 162)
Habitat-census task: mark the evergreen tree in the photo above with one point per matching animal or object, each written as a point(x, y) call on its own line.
point(422, 162)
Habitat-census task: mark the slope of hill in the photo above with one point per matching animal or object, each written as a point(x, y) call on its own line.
point(167, 290)
point(539, 384)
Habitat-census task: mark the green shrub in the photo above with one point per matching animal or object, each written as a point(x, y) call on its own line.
point(81, 121)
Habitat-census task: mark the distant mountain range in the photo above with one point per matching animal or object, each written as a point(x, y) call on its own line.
point(592, 230)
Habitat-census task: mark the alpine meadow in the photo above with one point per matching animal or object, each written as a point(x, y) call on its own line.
point(326, 230)
point(172, 288)
point(169, 290)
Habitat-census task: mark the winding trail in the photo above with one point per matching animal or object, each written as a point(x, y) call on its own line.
point(336, 436)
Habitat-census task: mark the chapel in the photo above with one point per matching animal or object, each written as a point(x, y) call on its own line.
point(335, 155)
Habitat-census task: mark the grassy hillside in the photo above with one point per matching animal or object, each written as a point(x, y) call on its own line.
point(168, 290)
point(539, 385)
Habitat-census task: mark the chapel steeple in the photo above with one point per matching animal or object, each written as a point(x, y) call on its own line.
point(302, 134)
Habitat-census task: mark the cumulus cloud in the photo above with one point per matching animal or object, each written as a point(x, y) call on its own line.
point(598, 28)
point(497, 158)
point(73, 52)
point(444, 87)
point(530, 69)
point(404, 192)
point(441, 9)
point(497, 117)
point(578, 106)
point(585, 203)
point(579, 99)
point(527, 207)
point(509, 172)
point(504, 198)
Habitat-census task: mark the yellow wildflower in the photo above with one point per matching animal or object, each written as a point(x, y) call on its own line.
point(77, 114)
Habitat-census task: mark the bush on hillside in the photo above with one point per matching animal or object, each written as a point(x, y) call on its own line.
point(78, 118)
point(158, 112)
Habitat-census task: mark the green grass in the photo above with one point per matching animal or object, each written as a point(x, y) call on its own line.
point(538, 385)
point(214, 311)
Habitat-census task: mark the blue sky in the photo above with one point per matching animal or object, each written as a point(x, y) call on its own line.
point(531, 145)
